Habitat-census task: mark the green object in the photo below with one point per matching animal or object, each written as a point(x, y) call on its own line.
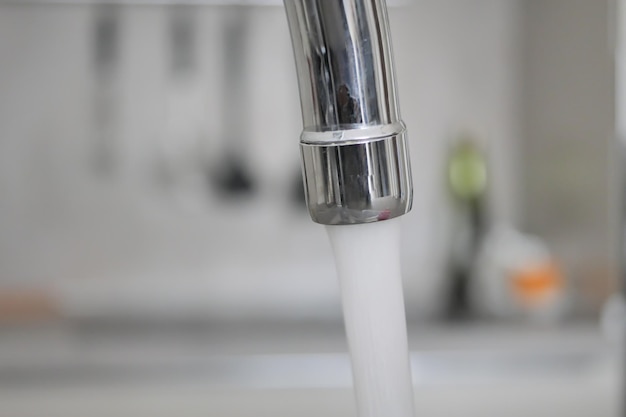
point(467, 171)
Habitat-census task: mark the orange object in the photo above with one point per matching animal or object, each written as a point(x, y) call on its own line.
point(18, 306)
point(535, 284)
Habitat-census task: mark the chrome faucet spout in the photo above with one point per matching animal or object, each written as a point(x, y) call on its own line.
point(353, 145)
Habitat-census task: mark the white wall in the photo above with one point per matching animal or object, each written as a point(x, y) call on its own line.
point(569, 147)
point(457, 65)
point(118, 244)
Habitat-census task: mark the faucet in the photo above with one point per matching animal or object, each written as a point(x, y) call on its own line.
point(353, 146)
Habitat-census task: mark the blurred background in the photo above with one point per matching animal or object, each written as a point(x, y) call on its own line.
point(156, 257)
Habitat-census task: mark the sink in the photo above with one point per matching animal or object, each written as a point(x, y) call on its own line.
point(497, 371)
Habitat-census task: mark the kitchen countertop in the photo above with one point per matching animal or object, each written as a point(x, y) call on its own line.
point(98, 369)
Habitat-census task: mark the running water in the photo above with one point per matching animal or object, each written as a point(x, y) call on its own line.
point(368, 264)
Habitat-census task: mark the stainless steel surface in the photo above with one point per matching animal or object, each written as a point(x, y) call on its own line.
point(482, 370)
point(271, 354)
point(343, 59)
point(357, 182)
point(353, 145)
